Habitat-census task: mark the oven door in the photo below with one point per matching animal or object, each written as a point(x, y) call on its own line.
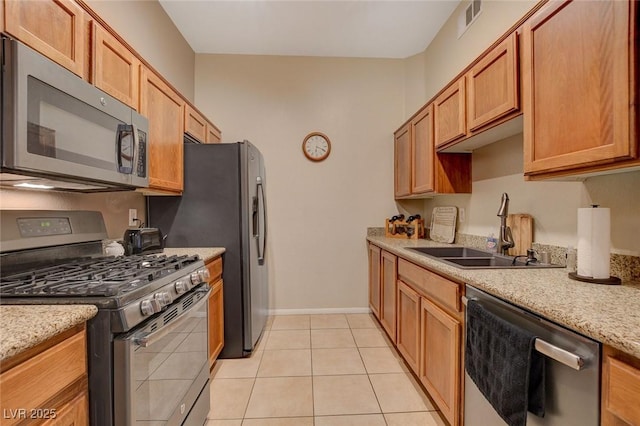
point(161, 369)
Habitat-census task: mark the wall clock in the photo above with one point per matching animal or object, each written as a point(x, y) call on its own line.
point(316, 146)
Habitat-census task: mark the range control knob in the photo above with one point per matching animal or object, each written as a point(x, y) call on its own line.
point(181, 286)
point(150, 307)
point(164, 298)
point(204, 274)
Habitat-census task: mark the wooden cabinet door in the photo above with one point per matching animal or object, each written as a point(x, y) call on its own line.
point(620, 388)
point(54, 28)
point(374, 279)
point(194, 123)
point(165, 110)
point(440, 359)
point(213, 134)
point(449, 114)
point(216, 321)
point(422, 152)
point(116, 70)
point(578, 66)
point(408, 328)
point(493, 85)
point(402, 163)
point(389, 283)
point(74, 413)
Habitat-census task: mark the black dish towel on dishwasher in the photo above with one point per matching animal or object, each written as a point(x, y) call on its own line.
point(501, 360)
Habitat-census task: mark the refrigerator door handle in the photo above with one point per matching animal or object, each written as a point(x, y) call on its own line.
point(262, 236)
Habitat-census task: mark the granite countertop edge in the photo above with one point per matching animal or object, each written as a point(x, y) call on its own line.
point(206, 253)
point(608, 314)
point(23, 327)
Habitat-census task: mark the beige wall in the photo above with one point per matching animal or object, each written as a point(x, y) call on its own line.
point(318, 212)
point(148, 29)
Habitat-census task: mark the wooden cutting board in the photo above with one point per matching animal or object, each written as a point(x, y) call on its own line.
point(522, 230)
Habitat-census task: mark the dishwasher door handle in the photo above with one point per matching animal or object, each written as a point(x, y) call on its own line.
point(552, 351)
point(563, 356)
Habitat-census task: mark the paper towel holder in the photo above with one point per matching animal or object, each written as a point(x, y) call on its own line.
point(608, 281)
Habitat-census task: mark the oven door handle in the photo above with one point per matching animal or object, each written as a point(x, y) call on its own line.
point(148, 339)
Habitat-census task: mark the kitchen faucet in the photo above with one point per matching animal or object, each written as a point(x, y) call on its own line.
point(505, 239)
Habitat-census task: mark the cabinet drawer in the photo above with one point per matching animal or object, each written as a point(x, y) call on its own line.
point(622, 391)
point(215, 269)
point(35, 381)
point(446, 292)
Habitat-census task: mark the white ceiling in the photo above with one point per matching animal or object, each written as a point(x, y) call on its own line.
point(352, 28)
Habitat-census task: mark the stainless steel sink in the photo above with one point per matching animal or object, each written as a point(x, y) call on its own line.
point(471, 258)
point(452, 251)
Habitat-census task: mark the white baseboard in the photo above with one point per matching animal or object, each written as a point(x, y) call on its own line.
point(319, 311)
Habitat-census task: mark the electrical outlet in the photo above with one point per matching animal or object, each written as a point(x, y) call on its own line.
point(462, 215)
point(133, 216)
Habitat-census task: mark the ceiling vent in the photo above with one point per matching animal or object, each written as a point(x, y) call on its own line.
point(468, 16)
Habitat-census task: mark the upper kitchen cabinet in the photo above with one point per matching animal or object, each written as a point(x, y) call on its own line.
point(213, 134)
point(580, 88)
point(116, 70)
point(450, 114)
point(55, 28)
point(492, 85)
point(195, 124)
point(485, 96)
point(419, 169)
point(422, 151)
point(198, 127)
point(402, 161)
point(165, 110)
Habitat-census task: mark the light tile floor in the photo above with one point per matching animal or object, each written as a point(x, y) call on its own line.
point(319, 370)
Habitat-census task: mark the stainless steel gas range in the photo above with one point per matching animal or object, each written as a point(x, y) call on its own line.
point(147, 346)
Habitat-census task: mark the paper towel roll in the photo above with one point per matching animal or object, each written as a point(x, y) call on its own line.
point(594, 242)
point(584, 242)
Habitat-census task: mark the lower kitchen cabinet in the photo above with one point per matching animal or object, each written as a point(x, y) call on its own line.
point(374, 279)
point(388, 291)
point(428, 328)
point(408, 339)
point(215, 310)
point(49, 386)
point(437, 360)
point(74, 413)
point(620, 388)
point(440, 367)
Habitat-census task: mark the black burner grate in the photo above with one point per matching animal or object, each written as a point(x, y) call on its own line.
point(108, 276)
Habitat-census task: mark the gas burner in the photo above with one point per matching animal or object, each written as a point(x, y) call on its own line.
point(101, 277)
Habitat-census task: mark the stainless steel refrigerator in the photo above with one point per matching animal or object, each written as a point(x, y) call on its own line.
point(223, 205)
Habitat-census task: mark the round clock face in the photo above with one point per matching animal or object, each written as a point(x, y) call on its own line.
point(316, 146)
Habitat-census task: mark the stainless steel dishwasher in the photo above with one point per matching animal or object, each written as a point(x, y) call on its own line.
point(572, 363)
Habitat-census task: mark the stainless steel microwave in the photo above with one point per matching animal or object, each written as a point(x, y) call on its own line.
point(60, 132)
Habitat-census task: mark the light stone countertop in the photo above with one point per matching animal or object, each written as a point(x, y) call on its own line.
point(206, 253)
point(607, 313)
point(25, 326)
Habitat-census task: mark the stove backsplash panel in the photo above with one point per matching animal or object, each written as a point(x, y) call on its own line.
point(114, 206)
